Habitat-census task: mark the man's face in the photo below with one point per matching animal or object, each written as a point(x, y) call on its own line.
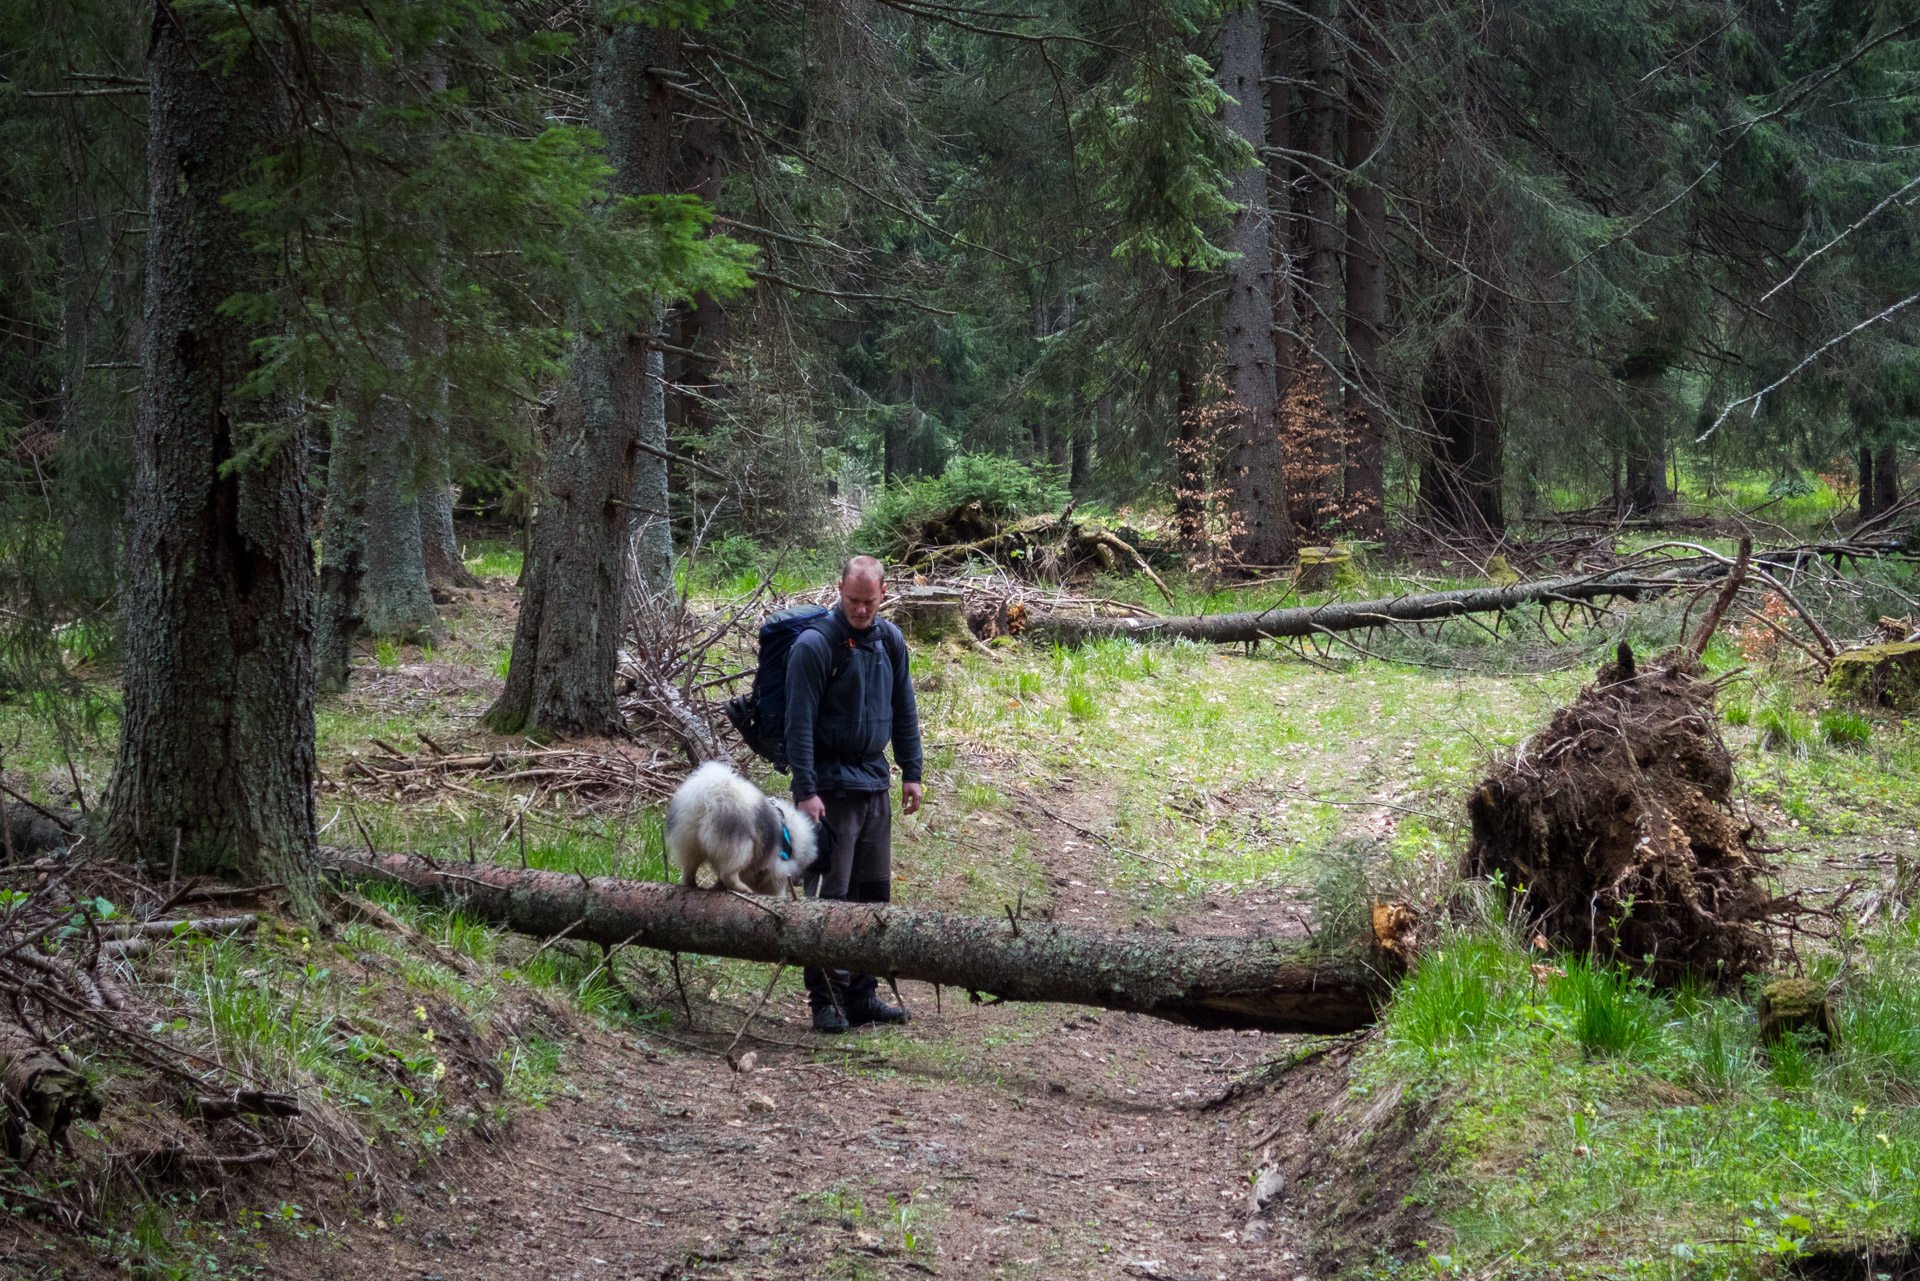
point(860, 600)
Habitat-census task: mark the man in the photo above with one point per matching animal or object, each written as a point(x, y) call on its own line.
point(838, 726)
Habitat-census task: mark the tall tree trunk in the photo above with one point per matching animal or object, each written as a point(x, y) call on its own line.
point(1463, 472)
point(1191, 454)
point(1315, 405)
point(1886, 479)
point(1281, 169)
point(1646, 486)
point(1263, 533)
point(596, 478)
point(1867, 491)
point(1366, 479)
point(216, 754)
point(653, 539)
point(373, 574)
point(1080, 465)
point(395, 598)
point(703, 325)
point(439, 543)
point(343, 536)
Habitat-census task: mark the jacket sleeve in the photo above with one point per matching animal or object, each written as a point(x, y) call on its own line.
point(906, 719)
point(806, 677)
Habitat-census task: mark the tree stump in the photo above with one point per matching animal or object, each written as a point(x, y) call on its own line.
point(1885, 675)
point(1320, 568)
point(930, 615)
point(1788, 1005)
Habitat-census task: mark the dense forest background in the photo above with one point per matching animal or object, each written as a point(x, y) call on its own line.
point(1338, 269)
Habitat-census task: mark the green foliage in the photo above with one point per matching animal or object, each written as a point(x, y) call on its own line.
point(1459, 992)
point(1003, 487)
point(1784, 727)
point(1566, 1106)
point(1159, 155)
point(1612, 1012)
point(1845, 729)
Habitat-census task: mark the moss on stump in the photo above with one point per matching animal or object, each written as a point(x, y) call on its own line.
point(1885, 675)
point(930, 615)
point(1787, 1005)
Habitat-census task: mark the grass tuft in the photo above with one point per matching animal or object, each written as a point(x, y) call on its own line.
point(1613, 1012)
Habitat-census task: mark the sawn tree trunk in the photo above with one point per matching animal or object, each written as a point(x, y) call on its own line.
point(1270, 984)
point(1347, 616)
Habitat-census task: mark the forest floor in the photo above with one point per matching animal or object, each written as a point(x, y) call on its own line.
point(1125, 786)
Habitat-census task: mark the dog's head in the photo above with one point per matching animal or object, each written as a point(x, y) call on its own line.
point(799, 846)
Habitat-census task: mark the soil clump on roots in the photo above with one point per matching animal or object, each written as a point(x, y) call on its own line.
point(1618, 822)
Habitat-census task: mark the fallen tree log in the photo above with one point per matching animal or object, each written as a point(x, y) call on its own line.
point(1269, 984)
point(1347, 616)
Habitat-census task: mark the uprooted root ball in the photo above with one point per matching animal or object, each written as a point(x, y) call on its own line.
point(1616, 818)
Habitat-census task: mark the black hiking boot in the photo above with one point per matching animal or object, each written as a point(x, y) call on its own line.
point(829, 1021)
point(862, 1011)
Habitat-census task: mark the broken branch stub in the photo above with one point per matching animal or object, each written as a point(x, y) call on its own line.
point(1268, 984)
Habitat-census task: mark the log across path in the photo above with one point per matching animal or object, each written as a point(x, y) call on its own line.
point(1269, 984)
point(1347, 616)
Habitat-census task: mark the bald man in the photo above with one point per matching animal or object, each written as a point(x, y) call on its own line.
point(838, 727)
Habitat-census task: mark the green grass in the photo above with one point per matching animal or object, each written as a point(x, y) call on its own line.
point(1611, 1012)
point(1596, 1103)
point(1845, 729)
point(493, 560)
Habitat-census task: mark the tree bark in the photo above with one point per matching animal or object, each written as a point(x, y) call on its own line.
point(1463, 473)
point(1192, 452)
point(1868, 509)
point(1366, 478)
point(596, 478)
point(1281, 169)
point(1260, 983)
point(1316, 407)
point(703, 325)
point(1647, 476)
point(1315, 620)
point(343, 534)
point(216, 754)
point(439, 543)
point(1263, 532)
point(1886, 479)
point(395, 599)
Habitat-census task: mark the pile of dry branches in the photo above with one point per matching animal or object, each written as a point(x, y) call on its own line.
point(73, 1004)
point(591, 777)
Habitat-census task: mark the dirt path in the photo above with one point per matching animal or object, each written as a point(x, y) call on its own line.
point(982, 1141)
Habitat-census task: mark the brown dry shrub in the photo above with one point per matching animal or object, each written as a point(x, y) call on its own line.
point(1617, 820)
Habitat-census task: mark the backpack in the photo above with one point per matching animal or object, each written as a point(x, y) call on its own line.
point(761, 714)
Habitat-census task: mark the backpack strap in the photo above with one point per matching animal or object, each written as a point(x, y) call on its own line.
point(839, 643)
point(894, 643)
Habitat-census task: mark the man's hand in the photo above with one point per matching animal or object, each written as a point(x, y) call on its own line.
point(911, 794)
point(814, 808)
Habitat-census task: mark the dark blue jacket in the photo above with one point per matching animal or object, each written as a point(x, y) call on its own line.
point(837, 733)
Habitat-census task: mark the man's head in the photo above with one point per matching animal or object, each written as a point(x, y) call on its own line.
point(863, 581)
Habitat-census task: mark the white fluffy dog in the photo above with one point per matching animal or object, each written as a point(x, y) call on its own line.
point(751, 841)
